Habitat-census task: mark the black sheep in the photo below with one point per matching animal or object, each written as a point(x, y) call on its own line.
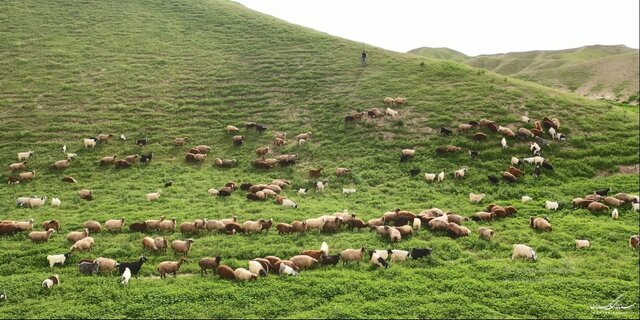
point(414, 172)
point(133, 266)
point(602, 192)
point(473, 154)
point(537, 171)
point(168, 183)
point(547, 166)
point(138, 226)
point(142, 142)
point(245, 186)
point(260, 128)
point(445, 131)
point(493, 179)
point(418, 253)
point(326, 260)
point(145, 158)
point(473, 123)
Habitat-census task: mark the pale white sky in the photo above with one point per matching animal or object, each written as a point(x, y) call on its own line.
point(472, 27)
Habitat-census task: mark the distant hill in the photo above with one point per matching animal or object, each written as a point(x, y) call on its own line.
point(598, 71)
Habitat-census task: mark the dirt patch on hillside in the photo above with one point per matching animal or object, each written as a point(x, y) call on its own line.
point(634, 169)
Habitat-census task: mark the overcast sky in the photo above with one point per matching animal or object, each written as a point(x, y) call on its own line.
point(472, 27)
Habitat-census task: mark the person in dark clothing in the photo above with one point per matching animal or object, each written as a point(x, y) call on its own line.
point(364, 57)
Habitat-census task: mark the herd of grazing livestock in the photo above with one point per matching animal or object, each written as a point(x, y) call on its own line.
point(394, 225)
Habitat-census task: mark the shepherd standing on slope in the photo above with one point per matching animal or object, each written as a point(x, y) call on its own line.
point(364, 57)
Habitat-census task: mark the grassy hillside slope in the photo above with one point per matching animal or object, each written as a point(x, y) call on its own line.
point(598, 71)
point(166, 69)
point(441, 53)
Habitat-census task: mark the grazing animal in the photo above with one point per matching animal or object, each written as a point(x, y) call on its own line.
point(473, 154)
point(540, 224)
point(417, 253)
point(634, 242)
point(146, 158)
point(597, 206)
point(209, 263)
point(551, 205)
point(486, 233)
point(391, 112)
point(479, 136)
point(526, 199)
point(414, 172)
point(503, 142)
point(349, 255)
point(445, 131)
point(88, 268)
point(153, 196)
point(459, 174)
point(342, 171)
point(48, 283)
point(58, 259)
point(441, 176)
point(477, 198)
point(142, 142)
point(430, 176)
point(407, 154)
point(125, 277)
point(523, 251)
point(582, 244)
point(493, 179)
point(170, 267)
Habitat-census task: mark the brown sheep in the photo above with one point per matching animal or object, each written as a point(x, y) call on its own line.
point(297, 226)
point(486, 233)
point(170, 267)
point(356, 223)
point(516, 172)
point(613, 202)
point(263, 151)
point(626, 198)
point(225, 272)
point(455, 218)
point(103, 137)
point(405, 231)
point(51, 224)
point(315, 173)
point(74, 236)
point(149, 243)
point(483, 216)
point(180, 246)
point(279, 142)
point(506, 132)
point(524, 133)
point(507, 176)
point(331, 226)
point(375, 113)
point(304, 261)
point(284, 228)
point(41, 236)
point(464, 127)
point(238, 140)
point(26, 176)
point(400, 100)
point(479, 136)
point(540, 224)
point(153, 224)
point(457, 231)
point(108, 160)
point(122, 164)
point(312, 253)
point(167, 225)
point(597, 206)
point(209, 263)
point(342, 171)
point(453, 149)
point(188, 227)
point(634, 242)
point(161, 243)
point(61, 164)
point(131, 159)
point(233, 228)
point(203, 148)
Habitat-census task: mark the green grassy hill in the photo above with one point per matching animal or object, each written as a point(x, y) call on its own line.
point(166, 69)
point(441, 53)
point(598, 71)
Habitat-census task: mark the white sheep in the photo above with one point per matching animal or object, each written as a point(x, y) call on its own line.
point(614, 213)
point(71, 156)
point(256, 268)
point(477, 198)
point(391, 112)
point(523, 251)
point(379, 261)
point(314, 223)
point(552, 132)
point(347, 190)
point(430, 176)
point(302, 191)
point(153, 196)
point(320, 186)
point(57, 259)
point(582, 244)
point(289, 203)
point(636, 207)
point(126, 276)
point(302, 141)
point(515, 161)
point(22, 156)
point(529, 160)
point(399, 255)
point(417, 224)
point(441, 176)
point(525, 119)
point(503, 142)
point(459, 174)
point(526, 199)
point(285, 269)
point(551, 205)
point(212, 192)
point(64, 148)
point(55, 202)
point(324, 247)
point(89, 143)
point(538, 160)
point(244, 274)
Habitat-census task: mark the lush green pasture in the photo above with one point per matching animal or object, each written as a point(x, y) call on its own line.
point(166, 69)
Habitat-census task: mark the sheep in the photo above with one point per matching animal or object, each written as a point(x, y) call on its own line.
point(464, 127)
point(441, 176)
point(636, 207)
point(506, 132)
point(55, 202)
point(476, 198)
point(479, 136)
point(430, 176)
point(106, 264)
point(257, 268)
point(507, 176)
point(161, 243)
point(51, 224)
point(539, 160)
point(302, 191)
point(188, 227)
point(233, 228)
point(229, 220)
point(23, 156)
point(244, 274)
point(540, 224)
point(170, 267)
point(18, 166)
point(523, 251)
point(515, 161)
point(232, 129)
point(331, 226)
point(200, 157)
point(180, 141)
point(391, 112)
point(284, 228)
point(417, 253)
point(48, 283)
point(297, 226)
point(551, 205)
point(58, 259)
point(108, 159)
point(13, 180)
point(69, 180)
point(342, 172)
point(74, 236)
point(312, 224)
point(394, 234)
point(582, 244)
point(625, 197)
point(125, 277)
point(25, 225)
point(180, 246)
point(525, 119)
point(8, 227)
point(36, 202)
point(597, 206)
point(486, 233)
point(376, 260)
point(456, 230)
point(375, 113)
point(225, 272)
point(252, 226)
point(83, 244)
point(209, 263)
point(26, 176)
point(526, 199)
point(41, 236)
point(614, 214)
point(613, 202)
point(89, 143)
point(405, 231)
point(167, 225)
point(238, 140)
point(349, 255)
point(399, 255)
point(417, 224)
point(400, 100)
point(113, 225)
point(153, 196)
point(304, 261)
point(594, 197)
point(388, 101)
point(85, 194)
point(289, 203)
point(407, 154)
point(153, 224)
point(225, 163)
point(459, 174)
point(149, 243)
point(503, 143)
point(483, 216)
point(634, 241)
